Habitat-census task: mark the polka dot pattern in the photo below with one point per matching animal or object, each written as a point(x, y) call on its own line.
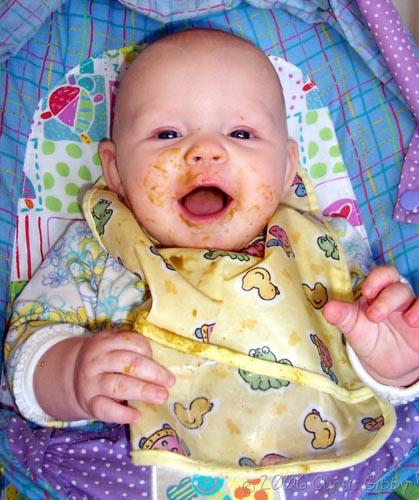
point(80, 464)
point(96, 464)
point(66, 176)
point(321, 146)
point(400, 54)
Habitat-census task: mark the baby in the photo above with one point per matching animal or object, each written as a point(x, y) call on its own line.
point(201, 157)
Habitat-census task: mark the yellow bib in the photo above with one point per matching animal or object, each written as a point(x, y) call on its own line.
point(263, 382)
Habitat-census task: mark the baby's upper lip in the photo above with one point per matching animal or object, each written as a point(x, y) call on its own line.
point(204, 186)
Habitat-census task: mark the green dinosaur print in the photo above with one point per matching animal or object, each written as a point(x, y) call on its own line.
point(101, 215)
point(214, 254)
point(329, 247)
point(263, 382)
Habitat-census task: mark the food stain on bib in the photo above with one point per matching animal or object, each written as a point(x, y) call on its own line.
point(170, 287)
point(280, 409)
point(248, 324)
point(232, 427)
point(295, 235)
point(294, 338)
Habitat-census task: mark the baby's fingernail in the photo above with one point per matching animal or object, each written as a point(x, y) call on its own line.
point(412, 318)
point(171, 379)
point(375, 313)
point(137, 417)
point(160, 395)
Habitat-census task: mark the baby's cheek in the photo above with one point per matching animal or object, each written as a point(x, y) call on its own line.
point(268, 193)
point(170, 158)
point(252, 224)
point(154, 191)
point(154, 184)
point(261, 204)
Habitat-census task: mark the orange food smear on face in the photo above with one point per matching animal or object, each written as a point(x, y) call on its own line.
point(156, 197)
point(162, 170)
point(188, 222)
point(155, 189)
point(169, 154)
point(187, 178)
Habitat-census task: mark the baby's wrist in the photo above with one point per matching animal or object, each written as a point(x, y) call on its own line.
point(405, 380)
point(54, 378)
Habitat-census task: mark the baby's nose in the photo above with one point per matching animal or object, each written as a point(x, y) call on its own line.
point(206, 152)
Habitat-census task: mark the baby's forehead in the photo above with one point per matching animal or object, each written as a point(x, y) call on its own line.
point(203, 44)
point(159, 72)
point(170, 57)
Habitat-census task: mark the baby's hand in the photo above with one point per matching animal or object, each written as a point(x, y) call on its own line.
point(113, 367)
point(382, 327)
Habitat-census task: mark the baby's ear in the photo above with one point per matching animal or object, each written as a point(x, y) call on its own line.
point(110, 169)
point(292, 164)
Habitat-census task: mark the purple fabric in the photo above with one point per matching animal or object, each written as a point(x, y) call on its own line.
point(395, 44)
point(80, 464)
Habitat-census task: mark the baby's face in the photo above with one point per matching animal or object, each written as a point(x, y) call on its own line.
point(200, 152)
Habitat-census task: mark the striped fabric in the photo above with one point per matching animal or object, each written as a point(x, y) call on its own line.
point(373, 125)
point(178, 10)
point(343, 15)
point(20, 20)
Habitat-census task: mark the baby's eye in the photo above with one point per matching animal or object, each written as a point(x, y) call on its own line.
point(240, 134)
point(168, 134)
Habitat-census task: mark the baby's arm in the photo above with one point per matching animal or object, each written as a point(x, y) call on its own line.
point(97, 373)
point(50, 333)
point(382, 326)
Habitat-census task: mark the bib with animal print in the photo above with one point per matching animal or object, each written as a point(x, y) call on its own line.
point(263, 382)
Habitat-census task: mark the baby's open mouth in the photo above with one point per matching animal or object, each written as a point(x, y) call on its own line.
point(205, 200)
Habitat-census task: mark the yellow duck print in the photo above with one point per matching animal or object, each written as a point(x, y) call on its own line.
point(259, 278)
point(193, 417)
point(316, 295)
point(323, 430)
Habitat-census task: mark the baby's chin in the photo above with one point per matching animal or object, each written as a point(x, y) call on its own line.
point(228, 237)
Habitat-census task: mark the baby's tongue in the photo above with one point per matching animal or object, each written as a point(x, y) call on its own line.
point(204, 201)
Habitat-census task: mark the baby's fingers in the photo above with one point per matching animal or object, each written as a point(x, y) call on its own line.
point(141, 367)
point(354, 325)
point(122, 387)
point(378, 279)
point(107, 410)
point(112, 340)
point(412, 314)
point(394, 297)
